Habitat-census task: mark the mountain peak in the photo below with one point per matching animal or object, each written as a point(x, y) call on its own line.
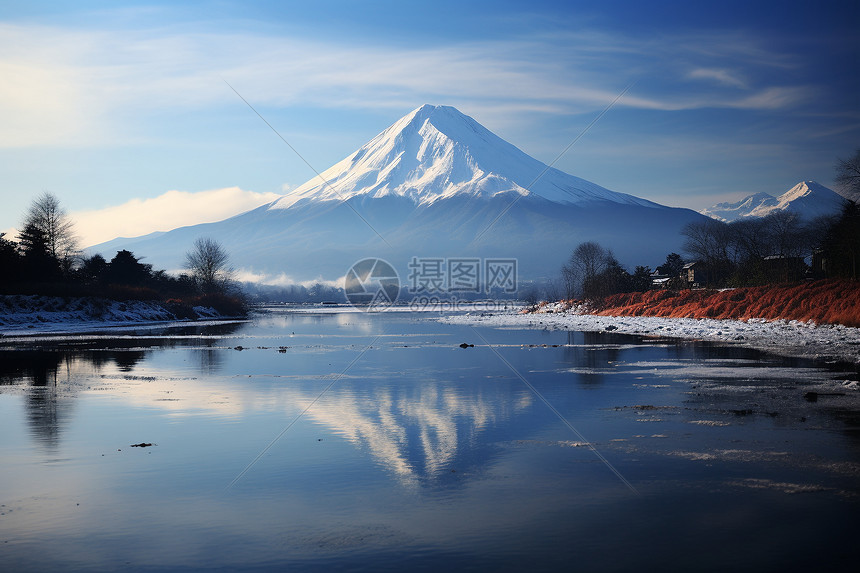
point(804, 189)
point(436, 152)
point(417, 117)
point(808, 199)
point(428, 109)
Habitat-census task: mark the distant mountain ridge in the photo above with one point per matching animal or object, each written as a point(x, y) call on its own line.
point(436, 183)
point(807, 199)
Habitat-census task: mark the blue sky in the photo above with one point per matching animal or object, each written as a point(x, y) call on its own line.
point(122, 112)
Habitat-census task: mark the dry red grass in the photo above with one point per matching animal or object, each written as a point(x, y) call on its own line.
point(823, 302)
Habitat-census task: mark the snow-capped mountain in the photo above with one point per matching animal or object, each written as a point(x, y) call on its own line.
point(807, 199)
point(436, 153)
point(434, 184)
point(732, 211)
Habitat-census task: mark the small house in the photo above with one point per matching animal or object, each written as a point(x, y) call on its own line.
point(694, 274)
point(660, 280)
point(780, 268)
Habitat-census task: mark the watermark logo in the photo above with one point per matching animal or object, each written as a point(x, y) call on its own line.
point(371, 284)
point(431, 275)
point(445, 283)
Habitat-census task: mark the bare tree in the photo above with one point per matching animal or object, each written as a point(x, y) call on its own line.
point(787, 234)
point(590, 259)
point(610, 278)
point(848, 176)
point(47, 215)
point(586, 261)
point(751, 238)
point(708, 241)
point(712, 243)
point(552, 292)
point(209, 264)
point(569, 281)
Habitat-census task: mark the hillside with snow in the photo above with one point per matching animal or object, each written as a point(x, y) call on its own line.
point(807, 199)
point(436, 183)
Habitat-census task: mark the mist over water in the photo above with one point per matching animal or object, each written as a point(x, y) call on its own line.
point(346, 440)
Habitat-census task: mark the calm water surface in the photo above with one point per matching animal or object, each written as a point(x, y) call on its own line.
point(350, 441)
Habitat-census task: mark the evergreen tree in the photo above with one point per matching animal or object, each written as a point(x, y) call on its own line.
point(640, 280)
point(126, 269)
point(841, 246)
point(94, 269)
point(673, 266)
point(38, 264)
point(10, 262)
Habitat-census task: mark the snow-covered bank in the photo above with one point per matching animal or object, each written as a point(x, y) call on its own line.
point(788, 338)
point(30, 314)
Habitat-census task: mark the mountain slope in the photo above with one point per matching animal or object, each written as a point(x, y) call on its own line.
point(434, 184)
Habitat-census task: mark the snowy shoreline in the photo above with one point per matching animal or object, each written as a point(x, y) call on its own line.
point(786, 338)
point(22, 315)
point(32, 316)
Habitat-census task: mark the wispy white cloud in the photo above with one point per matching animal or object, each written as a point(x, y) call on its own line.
point(735, 48)
point(721, 76)
point(777, 97)
point(72, 87)
point(167, 211)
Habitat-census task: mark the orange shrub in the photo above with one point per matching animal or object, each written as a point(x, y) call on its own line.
point(824, 302)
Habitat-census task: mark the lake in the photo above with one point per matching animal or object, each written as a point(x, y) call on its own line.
point(332, 440)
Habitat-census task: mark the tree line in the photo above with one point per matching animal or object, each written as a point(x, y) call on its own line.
point(46, 259)
point(747, 252)
point(754, 252)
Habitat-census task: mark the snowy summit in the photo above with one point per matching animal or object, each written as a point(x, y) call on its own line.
point(436, 152)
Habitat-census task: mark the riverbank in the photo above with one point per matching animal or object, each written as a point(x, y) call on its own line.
point(21, 314)
point(786, 338)
point(822, 302)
